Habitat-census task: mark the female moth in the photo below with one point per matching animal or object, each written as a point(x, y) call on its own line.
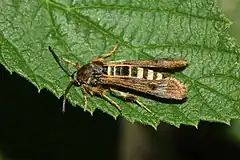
point(149, 77)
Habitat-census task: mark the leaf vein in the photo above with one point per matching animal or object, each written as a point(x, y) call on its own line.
point(142, 9)
point(204, 102)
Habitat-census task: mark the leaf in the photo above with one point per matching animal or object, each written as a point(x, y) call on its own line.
point(79, 30)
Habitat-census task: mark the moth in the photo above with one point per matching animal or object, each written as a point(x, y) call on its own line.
point(151, 77)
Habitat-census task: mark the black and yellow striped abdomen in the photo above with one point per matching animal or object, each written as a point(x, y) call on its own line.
point(126, 71)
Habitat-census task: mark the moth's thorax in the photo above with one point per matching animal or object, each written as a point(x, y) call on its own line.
point(89, 73)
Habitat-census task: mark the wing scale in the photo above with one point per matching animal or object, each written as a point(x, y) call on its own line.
point(168, 88)
point(163, 63)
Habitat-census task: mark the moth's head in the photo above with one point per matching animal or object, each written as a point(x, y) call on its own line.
point(88, 74)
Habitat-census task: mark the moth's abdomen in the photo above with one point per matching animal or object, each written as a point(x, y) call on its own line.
point(132, 72)
point(117, 71)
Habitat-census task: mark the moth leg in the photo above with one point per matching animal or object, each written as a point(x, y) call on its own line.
point(99, 91)
point(128, 97)
point(84, 92)
point(76, 65)
point(111, 102)
point(101, 58)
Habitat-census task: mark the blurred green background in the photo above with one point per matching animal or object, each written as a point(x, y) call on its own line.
point(232, 10)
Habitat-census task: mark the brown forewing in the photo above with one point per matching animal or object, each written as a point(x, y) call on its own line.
point(168, 88)
point(163, 63)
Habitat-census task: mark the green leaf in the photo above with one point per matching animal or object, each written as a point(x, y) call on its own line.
point(195, 30)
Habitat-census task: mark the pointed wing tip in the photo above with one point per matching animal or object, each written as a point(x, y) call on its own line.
point(175, 89)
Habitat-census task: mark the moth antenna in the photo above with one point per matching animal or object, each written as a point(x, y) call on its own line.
point(58, 61)
point(65, 95)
